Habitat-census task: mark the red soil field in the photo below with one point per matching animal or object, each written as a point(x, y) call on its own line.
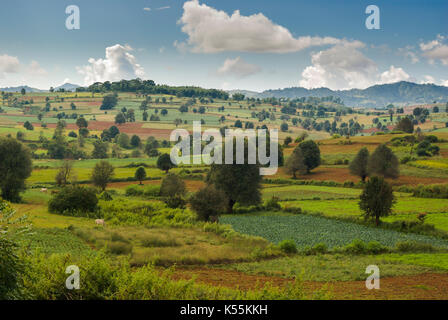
point(421, 287)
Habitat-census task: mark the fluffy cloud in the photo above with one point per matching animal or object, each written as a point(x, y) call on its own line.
point(119, 64)
point(428, 79)
point(444, 83)
point(435, 50)
point(36, 69)
point(340, 67)
point(238, 68)
point(394, 75)
point(8, 64)
point(345, 67)
point(210, 30)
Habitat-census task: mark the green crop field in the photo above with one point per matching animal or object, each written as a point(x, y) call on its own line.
point(310, 230)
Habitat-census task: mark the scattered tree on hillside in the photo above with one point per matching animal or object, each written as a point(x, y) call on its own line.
point(15, 168)
point(140, 174)
point(311, 154)
point(295, 163)
point(102, 173)
point(405, 125)
point(164, 162)
point(383, 162)
point(99, 150)
point(359, 164)
point(109, 102)
point(377, 199)
point(208, 203)
point(173, 190)
point(64, 174)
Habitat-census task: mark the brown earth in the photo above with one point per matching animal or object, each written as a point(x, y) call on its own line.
point(128, 128)
point(343, 174)
point(424, 286)
point(192, 185)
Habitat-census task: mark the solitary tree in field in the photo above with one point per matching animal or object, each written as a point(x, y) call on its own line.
point(405, 125)
point(135, 141)
point(101, 174)
point(240, 182)
point(140, 174)
point(15, 168)
point(311, 154)
point(295, 163)
point(377, 199)
point(359, 165)
point(383, 162)
point(208, 203)
point(164, 163)
point(120, 118)
point(81, 122)
point(64, 173)
point(173, 190)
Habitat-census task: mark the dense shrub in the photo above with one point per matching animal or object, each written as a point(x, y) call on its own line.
point(75, 201)
point(288, 246)
point(319, 248)
point(412, 246)
point(208, 203)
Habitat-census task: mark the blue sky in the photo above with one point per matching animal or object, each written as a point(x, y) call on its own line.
point(268, 44)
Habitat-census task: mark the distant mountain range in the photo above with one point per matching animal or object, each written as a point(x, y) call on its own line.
point(65, 86)
point(399, 93)
point(18, 89)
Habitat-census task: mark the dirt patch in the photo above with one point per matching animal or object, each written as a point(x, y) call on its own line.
point(129, 128)
point(192, 185)
point(343, 174)
point(424, 286)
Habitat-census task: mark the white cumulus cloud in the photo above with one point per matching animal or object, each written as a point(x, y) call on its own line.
point(340, 67)
point(8, 64)
point(394, 75)
point(210, 30)
point(238, 68)
point(118, 64)
point(435, 50)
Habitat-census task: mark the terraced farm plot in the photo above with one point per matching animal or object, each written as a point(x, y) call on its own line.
point(310, 192)
point(308, 230)
point(341, 208)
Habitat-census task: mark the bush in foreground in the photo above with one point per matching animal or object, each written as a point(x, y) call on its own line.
point(75, 201)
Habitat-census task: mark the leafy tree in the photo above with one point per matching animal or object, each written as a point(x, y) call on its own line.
point(208, 203)
point(359, 164)
point(287, 141)
point(123, 140)
point(74, 200)
point(12, 267)
point(405, 125)
point(15, 168)
point(151, 147)
point(311, 154)
point(296, 163)
point(164, 162)
point(99, 150)
point(383, 162)
point(238, 124)
point(377, 199)
point(140, 174)
point(135, 141)
point(101, 174)
point(64, 173)
point(28, 126)
point(173, 190)
point(81, 122)
point(240, 182)
point(120, 118)
point(109, 102)
point(84, 132)
point(284, 127)
point(164, 112)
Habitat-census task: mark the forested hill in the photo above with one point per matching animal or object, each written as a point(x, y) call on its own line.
point(401, 93)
